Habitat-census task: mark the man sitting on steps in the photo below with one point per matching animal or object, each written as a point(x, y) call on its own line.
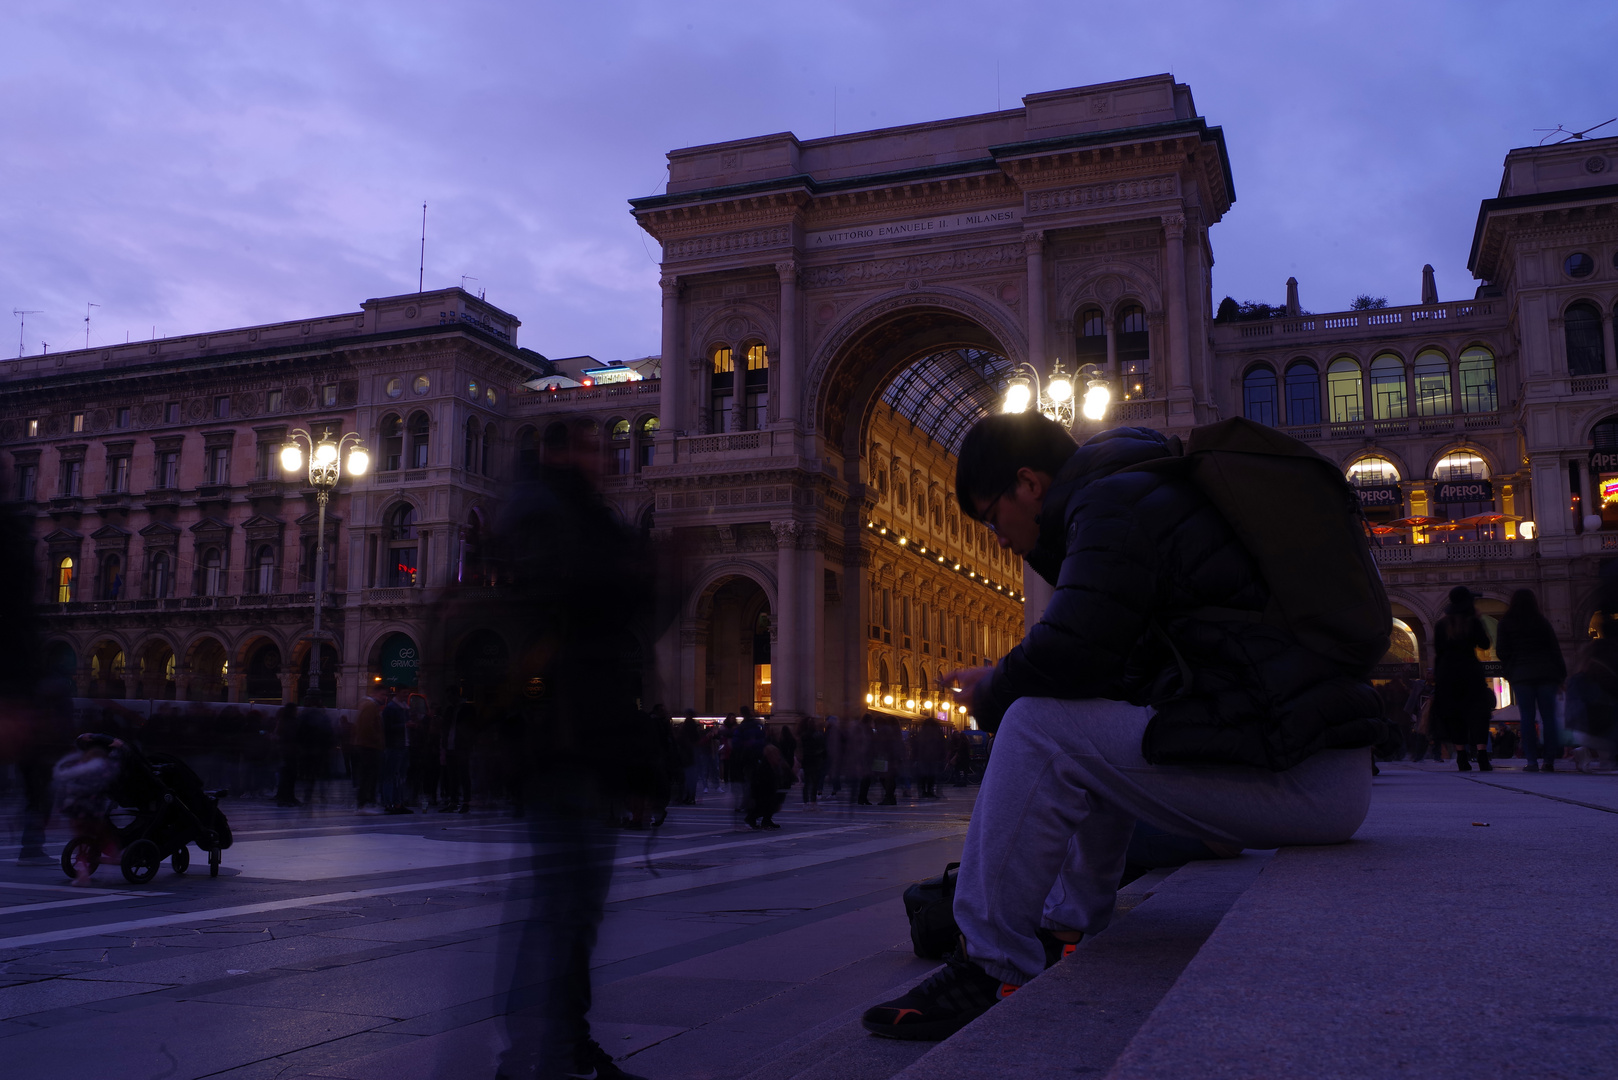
point(1184, 675)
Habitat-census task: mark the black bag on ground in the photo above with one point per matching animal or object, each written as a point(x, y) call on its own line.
point(930, 906)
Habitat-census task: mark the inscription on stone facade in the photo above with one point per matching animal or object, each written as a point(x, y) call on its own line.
point(906, 230)
point(933, 263)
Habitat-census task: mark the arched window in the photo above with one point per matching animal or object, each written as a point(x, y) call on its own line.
point(112, 577)
point(527, 453)
point(1259, 400)
point(722, 390)
point(619, 449)
point(1092, 336)
point(213, 572)
point(1463, 492)
point(392, 442)
point(401, 571)
point(648, 442)
point(486, 467)
point(1344, 392)
point(1586, 352)
point(469, 452)
point(1432, 384)
point(1388, 388)
point(473, 570)
point(264, 571)
point(757, 385)
point(904, 680)
point(882, 673)
point(419, 427)
point(1373, 472)
point(1134, 351)
point(1303, 392)
point(1478, 393)
point(162, 576)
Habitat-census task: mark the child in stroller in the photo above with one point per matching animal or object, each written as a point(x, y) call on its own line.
point(171, 811)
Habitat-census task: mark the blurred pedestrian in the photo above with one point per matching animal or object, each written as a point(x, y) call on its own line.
point(767, 776)
point(317, 737)
point(1462, 700)
point(286, 738)
point(395, 753)
point(812, 758)
point(83, 783)
point(688, 745)
point(460, 730)
point(932, 747)
point(367, 750)
point(1536, 670)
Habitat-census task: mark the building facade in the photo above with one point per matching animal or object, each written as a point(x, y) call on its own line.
point(835, 315)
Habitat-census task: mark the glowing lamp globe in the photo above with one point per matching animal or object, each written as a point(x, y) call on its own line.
point(325, 453)
point(291, 457)
point(358, 462)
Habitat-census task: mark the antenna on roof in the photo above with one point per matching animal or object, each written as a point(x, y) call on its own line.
point(1571, 135)
point(464, 279)
point(21, 325)
point(421, 271)
point(87, 308)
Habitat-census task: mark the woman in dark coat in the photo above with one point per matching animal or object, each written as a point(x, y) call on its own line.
point(1462, 700)
point(1533, 661)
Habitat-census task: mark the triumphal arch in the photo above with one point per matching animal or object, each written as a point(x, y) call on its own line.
point(836, 313)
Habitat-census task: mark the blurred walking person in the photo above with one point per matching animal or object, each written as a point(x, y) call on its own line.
point(1535, 668)
point(812, 757)
point(367, 753)
point(395, 753)
point(1462, 701)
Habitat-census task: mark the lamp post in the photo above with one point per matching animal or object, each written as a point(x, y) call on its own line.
point(324, 470)
point(1056, 399)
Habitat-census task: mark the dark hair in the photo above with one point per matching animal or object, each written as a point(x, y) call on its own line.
point(999, 445)
point(1524, 605)
point(1461, 601)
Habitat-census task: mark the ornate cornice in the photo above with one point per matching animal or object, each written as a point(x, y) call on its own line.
point(1110, 193)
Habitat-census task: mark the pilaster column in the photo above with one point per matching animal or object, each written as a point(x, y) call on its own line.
point(1174, 303)
point(672, 404)
point(785, 673)
point(1033, 243)
point(1609, 353)
point(785, 376)
point(738, 389)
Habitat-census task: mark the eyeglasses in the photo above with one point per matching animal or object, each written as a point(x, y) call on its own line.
point(992, 507)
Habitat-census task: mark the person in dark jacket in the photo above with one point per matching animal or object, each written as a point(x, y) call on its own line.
point(1532, 657)
point(1462, 700)
point(1151, 690)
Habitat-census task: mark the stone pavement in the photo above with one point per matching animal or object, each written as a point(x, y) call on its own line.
point(1429, 946)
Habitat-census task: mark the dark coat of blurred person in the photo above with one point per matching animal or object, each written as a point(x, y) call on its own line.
point(29, 733)
point(317, 737)
point(932, 747)
point(688, 742)
point(1395, 694)
point(395, 754)
point(286, 738)
point(580, 603)
point(1532, 657)
point(367, 750)
point(1462, 700)
point(887, 753)
point(812, 757)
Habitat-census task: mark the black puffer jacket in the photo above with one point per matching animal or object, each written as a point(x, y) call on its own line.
point(1132, 555)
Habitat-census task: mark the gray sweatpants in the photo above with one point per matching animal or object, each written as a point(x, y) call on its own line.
point(1066, 784)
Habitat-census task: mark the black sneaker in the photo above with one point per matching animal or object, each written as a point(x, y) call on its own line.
point(1055, 948)
point(951, 998)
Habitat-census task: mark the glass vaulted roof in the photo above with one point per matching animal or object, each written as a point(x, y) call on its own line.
point(945, 393)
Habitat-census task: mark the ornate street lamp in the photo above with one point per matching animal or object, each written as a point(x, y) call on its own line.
point(1056, 399)
point(323, 473)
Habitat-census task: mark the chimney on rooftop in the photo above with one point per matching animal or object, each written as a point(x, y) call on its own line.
point(1429, 287)
point(1292, 297)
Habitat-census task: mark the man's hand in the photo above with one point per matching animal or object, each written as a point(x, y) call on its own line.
point(968, 683)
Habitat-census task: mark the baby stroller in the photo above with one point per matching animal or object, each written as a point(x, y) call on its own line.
point(171, 810)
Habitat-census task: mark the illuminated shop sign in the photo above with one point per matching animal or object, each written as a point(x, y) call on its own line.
point(1604, 461)
point(1381, 495)
point(1464, 491)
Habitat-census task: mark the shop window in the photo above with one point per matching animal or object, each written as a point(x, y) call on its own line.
point(619, 450)
point(1581, 329)
point(392, 442)
point(1604, 439)
point(1303, 392)
point(1463, 498)
point(1377, 481)
point(1388, 388)
point(1432, 384)
point(1259, 398)
point(1478, 392)
point(419, 428)
point(722, 390)
point(1344, 391)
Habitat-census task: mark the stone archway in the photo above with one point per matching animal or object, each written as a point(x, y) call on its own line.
point(735, 639)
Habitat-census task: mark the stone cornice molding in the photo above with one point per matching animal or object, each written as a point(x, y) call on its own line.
point(692, 221)
point(728, 243)
point(1109, 193)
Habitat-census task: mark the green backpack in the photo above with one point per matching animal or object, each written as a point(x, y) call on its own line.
point(1300, 520)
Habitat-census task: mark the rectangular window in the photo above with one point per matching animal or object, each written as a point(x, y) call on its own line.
point(171, 413)
point(78, 421)
point(122, 417)
point(721, 414)
point(219, 465)
point(118, 473)
point(275, 401)
point(758, 408)
point(328, 395)
point(402, 567)
point(221, 407)
point(264, 462)
point(72, 477)
point(27, 482)
point(168, 469)
point(33, 429)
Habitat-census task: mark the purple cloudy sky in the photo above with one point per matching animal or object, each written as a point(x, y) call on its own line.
point(195, 166)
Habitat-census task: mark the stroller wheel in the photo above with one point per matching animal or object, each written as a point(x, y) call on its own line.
point(181, 861)
point(80, 847)
point(213, 863)
point(140, 862)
